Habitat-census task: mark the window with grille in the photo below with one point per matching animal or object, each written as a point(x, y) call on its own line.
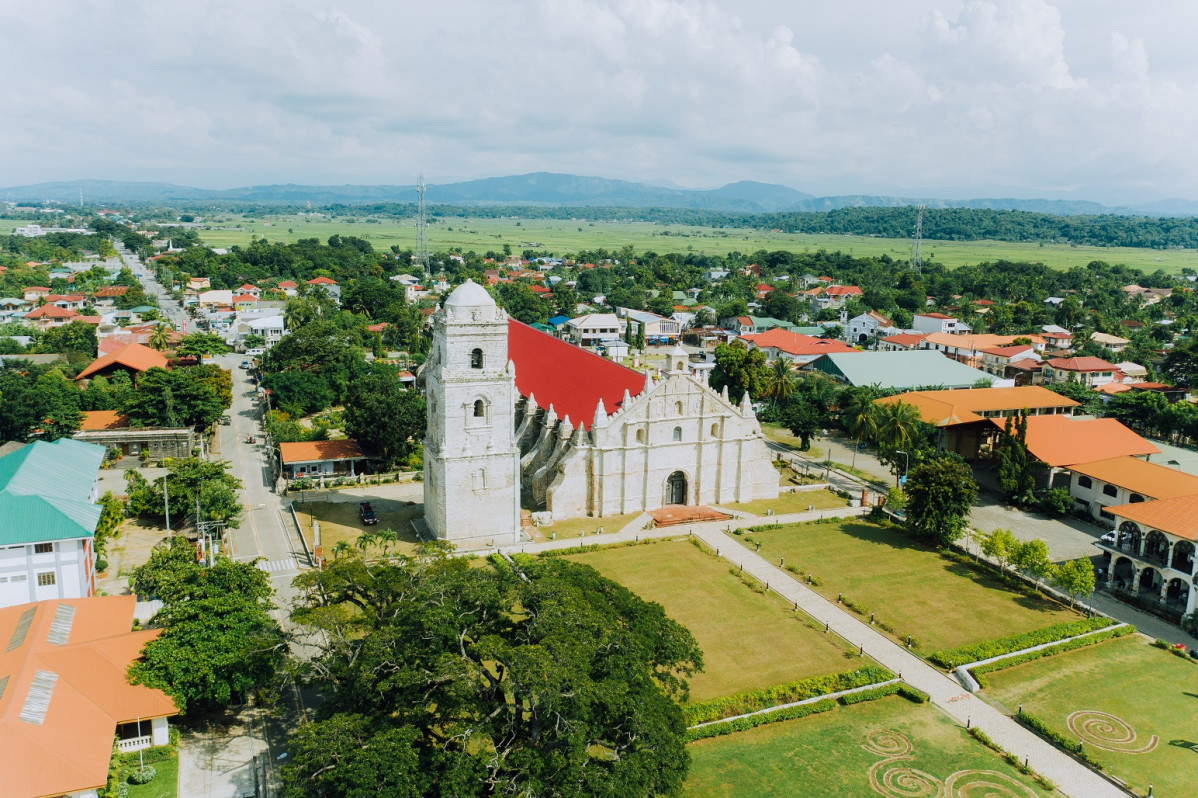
point(43, 548)
point(45, 579)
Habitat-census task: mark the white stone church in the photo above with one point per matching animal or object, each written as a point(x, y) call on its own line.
point(513, 411)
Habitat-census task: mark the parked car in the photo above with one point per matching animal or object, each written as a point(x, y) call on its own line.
point(255, 352)
point(245, 364)
point(366, 514)
point(1108, 538)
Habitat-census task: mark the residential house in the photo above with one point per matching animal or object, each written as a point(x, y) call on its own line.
point(328, 285)
point(939, 323)
point(967, 347)
point(834, 296)
point(131, 358)
point(995, 359)
point(319, 459)
point(110, 429)
point(1056, 337)
point(67, 696)
point(793, 347)
point(244, 301)
point(1111, 342)
point(251, 289)
point(35, 292)
point(1061, 442)
point(867, 326)
point(289, 287)
point(592, 329)
point(743, 325)
point(49, 316)
point(215, 299)
point(1101, 484)
point(48, 518)
point(1089, 371)
point(66, 301)
point(198, 284)
point(658, 329)
point(901, 342)
point(106, 297)
point(1153, 552)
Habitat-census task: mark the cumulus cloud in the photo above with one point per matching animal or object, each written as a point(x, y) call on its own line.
point(1018, 95)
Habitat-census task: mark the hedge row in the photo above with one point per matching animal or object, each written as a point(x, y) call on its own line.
point(753, 721)
point(1005, 645)
point(1068, 645)
point(744, 703)
point(1011, 759)
point(1059, 740)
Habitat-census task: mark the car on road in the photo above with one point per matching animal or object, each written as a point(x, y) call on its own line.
point(245, 364)
point(255, 352)
point(366, 514)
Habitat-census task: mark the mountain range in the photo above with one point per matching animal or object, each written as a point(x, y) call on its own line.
point(551, 189)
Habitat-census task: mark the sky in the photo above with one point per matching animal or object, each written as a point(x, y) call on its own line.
point(1082, 99)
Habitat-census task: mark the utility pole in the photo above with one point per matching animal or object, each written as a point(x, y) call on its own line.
point(166, 498)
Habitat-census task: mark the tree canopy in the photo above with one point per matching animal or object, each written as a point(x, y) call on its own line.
point(448, 679)
point(940, 490)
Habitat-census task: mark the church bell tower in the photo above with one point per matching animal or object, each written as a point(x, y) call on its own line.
point(471, 460)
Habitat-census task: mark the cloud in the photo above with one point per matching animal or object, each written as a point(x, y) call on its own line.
point(839, 98)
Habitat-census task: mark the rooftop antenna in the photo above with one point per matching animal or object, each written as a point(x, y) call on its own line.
point(421, 226)
point(917, 244)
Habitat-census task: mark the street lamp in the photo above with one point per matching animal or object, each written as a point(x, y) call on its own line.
point(906, 462)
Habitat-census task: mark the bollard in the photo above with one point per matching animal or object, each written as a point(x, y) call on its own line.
point(871, 619)
point(780, 561)
point(808, 578)
point(767, 587)
point(758, 547)
point(717, 553)
point(742, 568)
point(1021, 710)
point(825, 627)
point(796, 606)
point(860, 651)
point(1025, 757)
point(1150, 791)
point(908, 641)
point(839, 598)
point(968, 720)
point(636, 538)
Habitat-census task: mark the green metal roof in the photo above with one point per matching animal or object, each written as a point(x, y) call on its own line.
point(45, 492)
point(764, 323)
point(899, 371)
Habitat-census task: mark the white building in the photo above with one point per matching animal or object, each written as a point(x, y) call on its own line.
point(48, 518)
point(512, 409)
point(938, 323)
point(867, 326)
point(593, 328)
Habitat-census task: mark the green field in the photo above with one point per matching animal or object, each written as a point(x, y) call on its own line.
point(1154, 692)
point(914, 590)
point(830, 755)
point(562, 236)
point(791, 503)
point(749, 640)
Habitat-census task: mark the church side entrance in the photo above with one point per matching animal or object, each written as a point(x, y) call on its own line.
point(676, 488)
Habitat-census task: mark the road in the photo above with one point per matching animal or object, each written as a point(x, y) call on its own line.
point(216, 757)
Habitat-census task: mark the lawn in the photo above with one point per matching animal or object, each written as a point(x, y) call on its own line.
point(165, 783)
point(830, 754)
point(749, 640)
point(1154, 692)
point(579, 527)
point(564, 235)
point(914, 590)
point(339, 522)
point(779, 434)
point(791, 503)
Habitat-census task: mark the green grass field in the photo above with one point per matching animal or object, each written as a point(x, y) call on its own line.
point(830, 755)
point(562, 236)
point(914, 590)
point(1153, 691)
point(791, 503)
point(165, 783)
point(749, 640)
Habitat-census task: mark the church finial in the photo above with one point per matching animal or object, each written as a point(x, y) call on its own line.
point(724, 394)
point(550, 416)
point(648, 381)
point(746, 406)
point(566, 428)
point(600, 415)
point(627, 400)
point(531, 405)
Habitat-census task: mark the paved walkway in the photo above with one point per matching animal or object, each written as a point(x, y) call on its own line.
point(1072, 778)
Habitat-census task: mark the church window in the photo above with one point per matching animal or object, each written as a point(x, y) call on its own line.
point(476, 359)
point(480, 479)
point(640, 436)
point(677, 433)
point(678, 408)
point(480, 409)
point(715, 430)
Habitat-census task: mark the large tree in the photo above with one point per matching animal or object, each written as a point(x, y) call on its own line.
point(940, 493)
point(1016, 475)
point(187, 481)
point(740, 369)
point(387, 419)
point(444, 678)
point(189, 397)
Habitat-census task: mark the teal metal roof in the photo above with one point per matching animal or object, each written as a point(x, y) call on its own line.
point(45, 492)
point(899, 371)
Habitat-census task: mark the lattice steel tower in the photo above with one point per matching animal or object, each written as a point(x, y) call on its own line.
point(917, 243)
point(421, 226)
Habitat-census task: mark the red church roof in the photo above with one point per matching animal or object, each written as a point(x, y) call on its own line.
point(573, 380)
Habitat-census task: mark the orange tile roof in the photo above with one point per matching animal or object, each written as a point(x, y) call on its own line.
point(1176, 516)
point(1064, 441)
point(905, 339)
point(795, 343)
point(316, 451)
point(112, 290)
point(1140, 476)
point(70, 748)
point(322, 281)
point(844, 290)
point(135, 356)
point(1081, 364)
point(979, 341)
point(1112, 388)
point(51, 312)
point(94, 420)
point(944, 408)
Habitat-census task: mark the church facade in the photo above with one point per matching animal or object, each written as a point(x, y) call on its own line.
point(570, 432)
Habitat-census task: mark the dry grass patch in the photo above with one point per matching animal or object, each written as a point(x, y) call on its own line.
point(792, 503)
point(749, 640)
point(339, 522)
point(584, 527)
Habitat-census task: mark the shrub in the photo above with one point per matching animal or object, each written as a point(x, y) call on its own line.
point(913, 694)
point(788, 693)
point(1005, 645)
point(143, 776)
point(1068, 645)
point(1059, 740)
point(744, 724)
point(1056, 502)
point(871, 694)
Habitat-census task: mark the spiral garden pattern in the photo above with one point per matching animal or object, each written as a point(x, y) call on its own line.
point(890, 779)
point(1103, 730)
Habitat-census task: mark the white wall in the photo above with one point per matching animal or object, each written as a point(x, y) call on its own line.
point(70, 563)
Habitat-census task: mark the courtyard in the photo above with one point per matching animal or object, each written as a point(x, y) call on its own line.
point(339, 522)
point(913, 590)
point(906, 749)
point(1132, 705)
point(750, 640)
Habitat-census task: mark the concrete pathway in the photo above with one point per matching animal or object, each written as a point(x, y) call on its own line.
point(1072, 778)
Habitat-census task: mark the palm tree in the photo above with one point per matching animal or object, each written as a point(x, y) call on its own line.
point(781, 382)
point(899, 425)
point(160, 339)
point(861, 418)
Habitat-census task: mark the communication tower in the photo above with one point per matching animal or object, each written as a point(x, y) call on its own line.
point(421, 226)
point(917, 243)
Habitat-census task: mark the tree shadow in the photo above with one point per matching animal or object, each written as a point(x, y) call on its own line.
point(1190, 744)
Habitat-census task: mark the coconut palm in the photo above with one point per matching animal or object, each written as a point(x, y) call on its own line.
point(780, 383)
point(899, 425)
point(861, 418)
point(160, 339)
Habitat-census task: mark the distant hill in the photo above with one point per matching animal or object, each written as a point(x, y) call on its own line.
point(551, 189)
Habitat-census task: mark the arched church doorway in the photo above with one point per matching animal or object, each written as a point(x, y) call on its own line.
point(676, 488)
